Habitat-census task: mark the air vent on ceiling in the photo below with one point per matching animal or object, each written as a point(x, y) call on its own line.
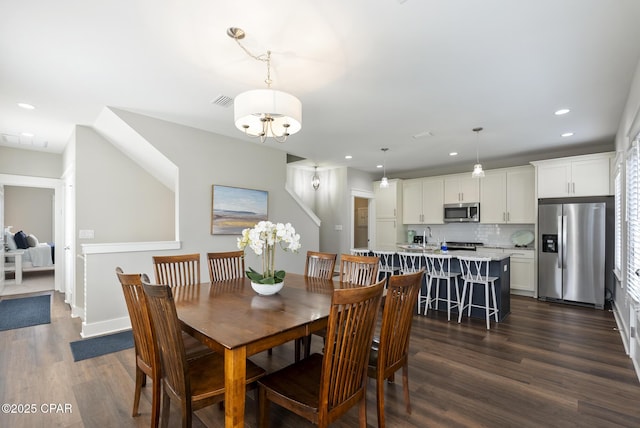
point(20, 140)
point(223, 101)
point(10, 139)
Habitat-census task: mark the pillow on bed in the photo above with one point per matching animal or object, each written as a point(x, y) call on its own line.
point(11, 242)
point(21, 240)
point(32, 240)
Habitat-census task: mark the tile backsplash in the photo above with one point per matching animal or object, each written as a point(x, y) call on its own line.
point(488, 234)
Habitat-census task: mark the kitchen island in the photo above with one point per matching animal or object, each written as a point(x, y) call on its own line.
point(499, 266)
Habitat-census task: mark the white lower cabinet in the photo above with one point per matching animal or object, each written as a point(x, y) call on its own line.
point(522, 280)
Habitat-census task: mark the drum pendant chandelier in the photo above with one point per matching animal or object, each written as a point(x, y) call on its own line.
point(265, 113)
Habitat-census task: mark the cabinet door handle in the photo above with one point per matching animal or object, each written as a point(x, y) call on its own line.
point(508, 216)
point(504, 217)
point(573, 185)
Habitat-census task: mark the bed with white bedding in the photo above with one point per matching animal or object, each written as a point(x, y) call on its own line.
point(36, 257)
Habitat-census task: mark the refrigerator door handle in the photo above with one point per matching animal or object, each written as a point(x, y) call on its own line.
point(564, 241)
point(560, 242)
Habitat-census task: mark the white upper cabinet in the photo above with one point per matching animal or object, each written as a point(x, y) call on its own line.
point(521, 195)
point(422, 200)
point(387, 200)
point(508, 196)
point(587, 175)
point(389, 228)
point(461, 188)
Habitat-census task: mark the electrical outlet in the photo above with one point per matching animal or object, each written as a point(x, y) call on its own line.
point(86, 234)
point(338, 227)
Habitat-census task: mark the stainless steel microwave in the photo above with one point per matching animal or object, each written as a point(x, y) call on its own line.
point(462, 213)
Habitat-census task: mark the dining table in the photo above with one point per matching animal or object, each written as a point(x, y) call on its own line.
point(231, 318)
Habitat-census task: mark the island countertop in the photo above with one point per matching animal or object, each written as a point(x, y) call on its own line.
point(497, 256)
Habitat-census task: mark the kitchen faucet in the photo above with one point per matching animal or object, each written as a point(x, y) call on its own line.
point(425, 236)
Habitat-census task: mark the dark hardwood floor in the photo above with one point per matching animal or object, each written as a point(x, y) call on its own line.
point(546, 365)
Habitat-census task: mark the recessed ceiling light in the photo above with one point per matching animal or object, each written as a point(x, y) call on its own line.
point(26, 106)
point(348, 157)
point(453, 154)
point(562, 111)
point(378, 166)
point(27, 134)
point(567, 134)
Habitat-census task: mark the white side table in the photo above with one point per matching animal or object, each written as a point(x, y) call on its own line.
point(17, 264)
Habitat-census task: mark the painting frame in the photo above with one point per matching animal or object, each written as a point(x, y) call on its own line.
point(236, 208)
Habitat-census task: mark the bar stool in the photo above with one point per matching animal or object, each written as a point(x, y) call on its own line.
point(412, 263)
point(439, 269)
point(475, 270)
point(359, 251)
point(385, 267)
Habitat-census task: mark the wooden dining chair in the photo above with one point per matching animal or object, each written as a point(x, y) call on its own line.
point(194, 384)
point(176, 270)
point(225, 265)
point(354, 271)
point(359, 270)
point(318, 265)
point(146, 350)
point(322, 388)
point(390, 351)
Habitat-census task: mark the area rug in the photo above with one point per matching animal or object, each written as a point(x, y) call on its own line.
point(25, 312)
point(96, 346)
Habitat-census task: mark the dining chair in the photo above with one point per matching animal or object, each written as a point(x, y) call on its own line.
point(318, 265)
point(390, 351)
point(359, 270)
point(225, 265)
point(323, 387)
point(439, 270)
point(146, 350)
point(386, 265)
point(194, 384)
point(176, 270)
point(354, 271)
point(475, 271)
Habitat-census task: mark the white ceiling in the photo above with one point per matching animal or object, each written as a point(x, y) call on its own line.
point(369, 73)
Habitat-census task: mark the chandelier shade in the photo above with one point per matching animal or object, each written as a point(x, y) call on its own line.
point(267, 113)
point(477, 171)
point(315, 180)
point(477, 168)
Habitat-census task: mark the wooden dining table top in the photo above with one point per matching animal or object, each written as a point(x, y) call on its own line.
point(229, 314)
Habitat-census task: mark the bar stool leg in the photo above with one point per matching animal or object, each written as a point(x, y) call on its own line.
point(487, 304)
point(462, 301)
point(495, 304)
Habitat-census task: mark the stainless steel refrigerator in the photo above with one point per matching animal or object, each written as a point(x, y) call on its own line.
point(573, 250)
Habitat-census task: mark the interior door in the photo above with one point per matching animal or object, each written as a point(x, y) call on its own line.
point(69, 237)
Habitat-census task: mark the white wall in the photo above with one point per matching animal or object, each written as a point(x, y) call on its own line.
point(203, 159)
point(30, 209)
point(30, 163)
point(117, 199)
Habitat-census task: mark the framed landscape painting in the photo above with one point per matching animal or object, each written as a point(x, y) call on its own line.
point(234, 209)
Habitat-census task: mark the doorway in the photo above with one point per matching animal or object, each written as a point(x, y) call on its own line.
point(361, 222)
point(47, 183)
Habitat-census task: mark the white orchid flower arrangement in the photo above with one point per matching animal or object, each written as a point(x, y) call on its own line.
point(262, 239)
